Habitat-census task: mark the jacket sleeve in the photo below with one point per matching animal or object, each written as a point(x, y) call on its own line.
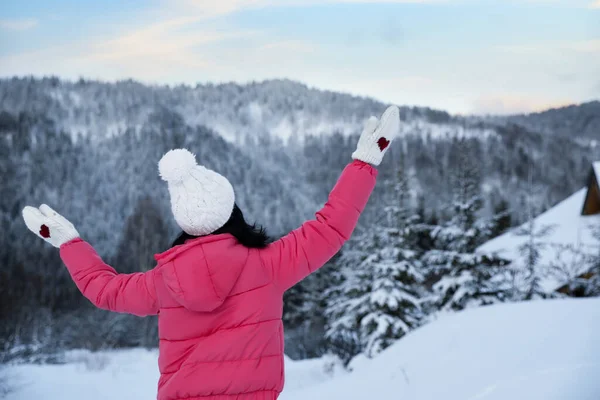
point(103, 286)
point(308, 248)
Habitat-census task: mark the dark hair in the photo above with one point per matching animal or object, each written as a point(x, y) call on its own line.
point(251, 236)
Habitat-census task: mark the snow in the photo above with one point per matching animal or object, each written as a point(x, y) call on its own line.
point(255, 112)
point(441, 131)
point(596, 167)
point(571, 235)
point(129, 375)
point(542, 350)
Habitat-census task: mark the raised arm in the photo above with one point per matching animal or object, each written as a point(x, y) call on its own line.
point(97, 281)
point(309, 247)
point(103, 286)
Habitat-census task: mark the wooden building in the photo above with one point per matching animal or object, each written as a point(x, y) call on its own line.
point(591, 205)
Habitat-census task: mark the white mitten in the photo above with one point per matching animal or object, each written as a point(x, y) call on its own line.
point(377, 136)
point(49, 225)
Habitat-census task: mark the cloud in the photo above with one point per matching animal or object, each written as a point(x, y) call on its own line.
point(211, 8)
point(178, 50)
point(595, 4)
point(402, 82)
point(181, 45)
point(186, 42)
point(166, 41)
point(143, 53)
point(578, 46)
point(387, 1)
point(506, 104)
point(173, 50)
point(298, 46)
point(18, 24)
point(584, 46)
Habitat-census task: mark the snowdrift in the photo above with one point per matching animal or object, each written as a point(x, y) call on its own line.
point(543, 350)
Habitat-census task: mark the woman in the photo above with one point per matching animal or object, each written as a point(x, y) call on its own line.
point(218, 291)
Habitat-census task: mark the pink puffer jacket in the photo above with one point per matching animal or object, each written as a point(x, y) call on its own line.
point(220, 303)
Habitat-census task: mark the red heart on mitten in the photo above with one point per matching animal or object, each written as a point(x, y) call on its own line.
point(383, 143)
point(44, 232)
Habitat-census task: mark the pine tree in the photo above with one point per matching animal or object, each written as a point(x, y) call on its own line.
point(378, 296)
point(526, 270)
point(303, 314)
point(458, 276)
point(341, 333)
point(526, 275)
point(393, 301)
point(464, 280)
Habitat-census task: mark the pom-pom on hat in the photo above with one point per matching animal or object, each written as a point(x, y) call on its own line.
point(201, 199)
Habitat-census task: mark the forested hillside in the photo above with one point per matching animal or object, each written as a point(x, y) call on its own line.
point(90, 150)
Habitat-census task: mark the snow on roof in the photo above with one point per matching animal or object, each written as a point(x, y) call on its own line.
point(596, 167)
point(570, 230)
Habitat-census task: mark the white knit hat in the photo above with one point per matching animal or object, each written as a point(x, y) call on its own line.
point(201, 199)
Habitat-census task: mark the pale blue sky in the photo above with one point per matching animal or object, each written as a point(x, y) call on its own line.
point(464, 56)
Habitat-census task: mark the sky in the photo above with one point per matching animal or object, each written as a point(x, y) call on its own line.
point(463, 56)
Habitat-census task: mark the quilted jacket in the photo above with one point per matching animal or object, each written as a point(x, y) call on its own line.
point(219, 304)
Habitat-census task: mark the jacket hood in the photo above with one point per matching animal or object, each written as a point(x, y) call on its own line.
point(201, 273)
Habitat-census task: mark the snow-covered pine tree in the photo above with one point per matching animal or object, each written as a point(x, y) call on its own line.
point(526, 279)
point(525, 270)
point(341, 332)
point(459, 276)
point(394, 299)
point(464, 280)
point(378, 295)
point(303, 313)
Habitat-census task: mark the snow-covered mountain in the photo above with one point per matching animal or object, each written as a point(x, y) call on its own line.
point(281, 108)
point(572, 121)
point(545, 350)
point(274, 123)
point(90, 149)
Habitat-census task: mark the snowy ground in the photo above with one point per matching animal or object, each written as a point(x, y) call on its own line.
point(546, 350)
